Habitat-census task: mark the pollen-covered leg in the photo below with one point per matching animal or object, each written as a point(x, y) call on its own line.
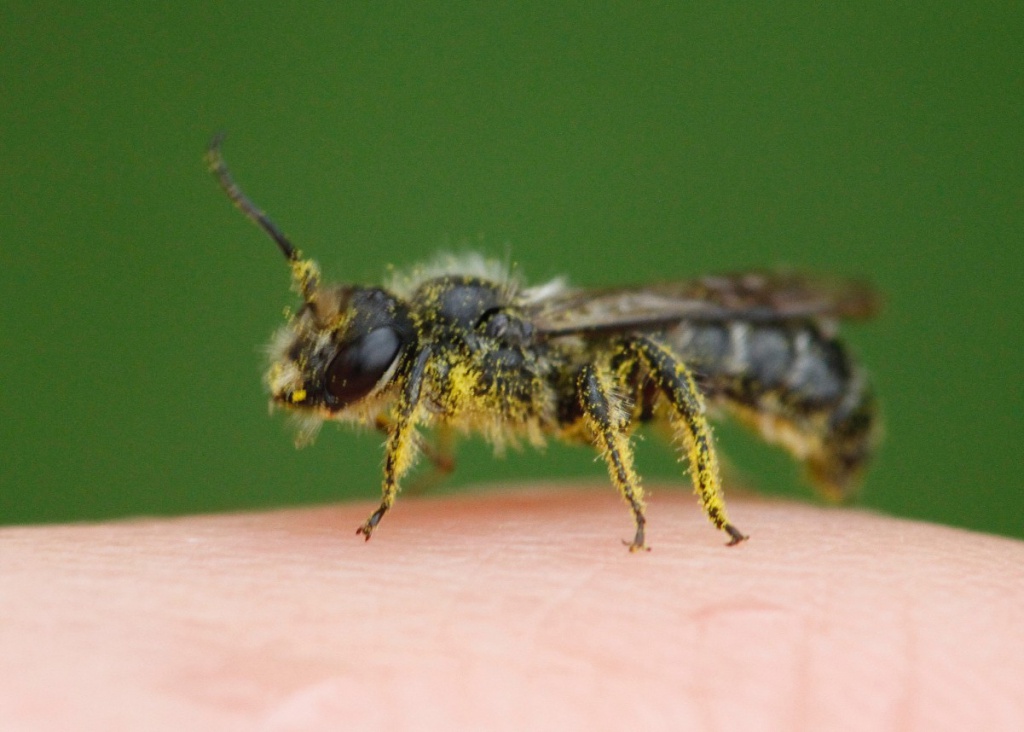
point(400, 452)
point(677, 384)
point(400, 449)
point(439, 453)
point(399, 455)
point(606, 419)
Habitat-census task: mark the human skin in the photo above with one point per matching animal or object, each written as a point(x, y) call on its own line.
point(511, 609)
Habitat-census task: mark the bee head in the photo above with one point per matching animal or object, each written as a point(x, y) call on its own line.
point(344, 345)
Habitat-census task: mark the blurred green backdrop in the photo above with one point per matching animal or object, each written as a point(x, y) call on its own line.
point(614, 144)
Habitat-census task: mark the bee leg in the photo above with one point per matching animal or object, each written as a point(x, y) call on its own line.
point(607, 420)
point(441, 455)
point(676, 382)
point(400, 448)
point(438, 452)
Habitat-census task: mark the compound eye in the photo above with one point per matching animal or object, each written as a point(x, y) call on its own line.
point(361, 364)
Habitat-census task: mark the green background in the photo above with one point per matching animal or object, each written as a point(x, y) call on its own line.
point(612, 143)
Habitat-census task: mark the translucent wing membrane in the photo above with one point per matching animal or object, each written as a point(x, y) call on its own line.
point(753, 297)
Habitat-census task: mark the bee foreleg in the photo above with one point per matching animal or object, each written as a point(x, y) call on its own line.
point(439, 452)
point(676, 382)
point(400, 448)
point(606, 417)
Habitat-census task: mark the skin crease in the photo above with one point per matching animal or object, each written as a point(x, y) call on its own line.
point(512, 609)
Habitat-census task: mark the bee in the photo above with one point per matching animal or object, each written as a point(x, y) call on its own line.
point(465, 346)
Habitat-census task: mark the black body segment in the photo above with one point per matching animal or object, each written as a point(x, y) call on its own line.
point(792, 382)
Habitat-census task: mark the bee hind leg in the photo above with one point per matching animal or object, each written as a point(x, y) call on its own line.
point(606, 417)
point(676, 382)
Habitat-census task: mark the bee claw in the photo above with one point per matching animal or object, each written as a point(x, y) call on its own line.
point(735, 535)
point(637, 545)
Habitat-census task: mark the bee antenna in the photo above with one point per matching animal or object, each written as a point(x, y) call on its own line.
point(304, 271)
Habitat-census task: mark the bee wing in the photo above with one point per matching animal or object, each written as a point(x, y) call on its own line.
point(752, 296)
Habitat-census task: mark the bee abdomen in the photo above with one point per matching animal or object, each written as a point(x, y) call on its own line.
point(794, 384)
